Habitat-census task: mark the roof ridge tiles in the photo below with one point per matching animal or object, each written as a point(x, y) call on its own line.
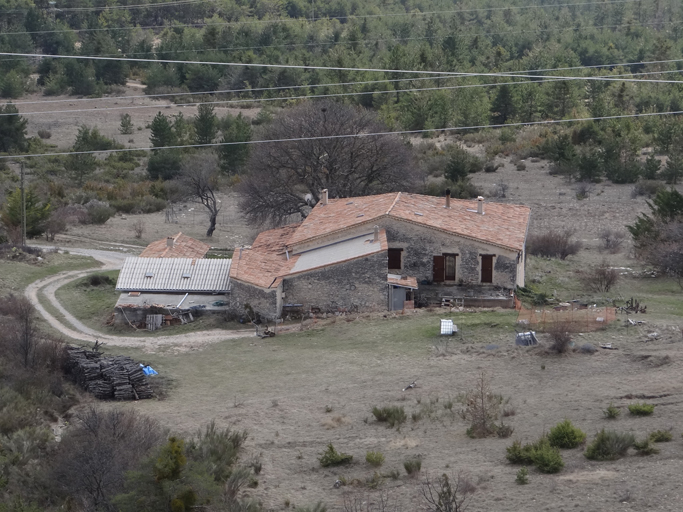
point(398, 196)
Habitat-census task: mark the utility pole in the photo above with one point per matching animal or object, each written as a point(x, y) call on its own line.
point(23, 208)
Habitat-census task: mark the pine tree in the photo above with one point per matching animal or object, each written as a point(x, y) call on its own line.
point(503, 107)
point(234, 156)
point(205, 124)
point(651, 167)
point(162, 132)
point(126, 127)
point(37, 212)
point(12, 130)
point(673, 170)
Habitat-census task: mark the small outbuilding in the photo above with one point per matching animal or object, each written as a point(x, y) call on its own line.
point(175, 287)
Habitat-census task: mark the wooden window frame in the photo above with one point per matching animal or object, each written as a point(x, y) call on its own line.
point(446, 277)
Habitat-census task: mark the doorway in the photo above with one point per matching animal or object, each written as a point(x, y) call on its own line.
point(487, 268)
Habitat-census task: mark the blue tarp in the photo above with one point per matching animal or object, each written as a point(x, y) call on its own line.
point(148, 370)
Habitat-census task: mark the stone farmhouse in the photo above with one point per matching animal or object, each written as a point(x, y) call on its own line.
point(383, 252)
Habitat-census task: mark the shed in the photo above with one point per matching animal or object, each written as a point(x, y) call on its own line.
point(174, 275)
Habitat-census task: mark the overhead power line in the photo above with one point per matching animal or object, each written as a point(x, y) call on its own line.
point(308, 97)
point(116, 7)
point(323, 18)
point(280, 20)
point(334, 68)
point(334, 84)
point(346, 136)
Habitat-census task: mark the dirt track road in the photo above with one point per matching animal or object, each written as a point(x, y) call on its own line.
point(78, 331)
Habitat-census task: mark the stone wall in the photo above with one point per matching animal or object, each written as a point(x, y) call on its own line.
point(359, 284)
point(263, 301)
point(420, 244)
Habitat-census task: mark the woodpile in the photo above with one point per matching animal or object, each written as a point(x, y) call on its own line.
point(107, 377)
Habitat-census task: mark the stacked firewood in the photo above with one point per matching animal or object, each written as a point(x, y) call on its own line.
point(107, 377)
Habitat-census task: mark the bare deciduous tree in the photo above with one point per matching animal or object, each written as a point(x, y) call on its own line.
point(199, 174)
point(20, 335)
point(448, 494)
point(482, 408)
point(285, 178)
point(380, 502)
point(600, 278)
point(138, 228)
point(92, 459)
point(665, 251)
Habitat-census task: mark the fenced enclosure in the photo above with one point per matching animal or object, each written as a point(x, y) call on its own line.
point(573, 316)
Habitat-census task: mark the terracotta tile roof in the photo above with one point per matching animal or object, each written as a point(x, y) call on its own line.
point(404, 281)
point(183, 247)
point(341, 214)
point(503, 225)
point(265, 263)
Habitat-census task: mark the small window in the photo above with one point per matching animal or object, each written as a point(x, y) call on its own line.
point(149, 274)
point(395, 259)
point(187, 275)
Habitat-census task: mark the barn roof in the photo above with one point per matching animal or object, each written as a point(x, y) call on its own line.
point(180, 275)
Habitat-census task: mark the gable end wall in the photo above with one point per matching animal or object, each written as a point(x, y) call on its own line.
point(356, 285)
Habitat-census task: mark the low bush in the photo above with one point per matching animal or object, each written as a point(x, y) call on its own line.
point(375, 459)
point(331, 457)
point(504, 431)
point(540, 454)
point(99, 280)
point(600, 278)
point(612, 240)
point(647, 188)
point(645, 447)
point(100, 214)
point(661, 436)
point(518, 454)
point(553, 244)
point(490, 167)
point(412, 466)
point(641, 409)
point(44, 134)
point(609, 445)
point(565, 435)
point(560, 338)
point(611, 412)
point(392, 415)
point(546, 458)
point(522, 476)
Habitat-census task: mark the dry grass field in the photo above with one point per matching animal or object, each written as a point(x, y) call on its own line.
point(295, 393)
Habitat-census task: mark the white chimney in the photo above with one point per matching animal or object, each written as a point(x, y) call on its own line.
point(448, 198)
point(169, 242)
point(480, 205)
point(376, 237)
point(325, 197)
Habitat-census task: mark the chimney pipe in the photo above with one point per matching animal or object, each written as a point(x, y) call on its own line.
point(480, 205)
point(325, 197)
point(169, 242)
point(448, 198)
point(376, 235)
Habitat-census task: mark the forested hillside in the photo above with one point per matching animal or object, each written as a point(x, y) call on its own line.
point(478, 37)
